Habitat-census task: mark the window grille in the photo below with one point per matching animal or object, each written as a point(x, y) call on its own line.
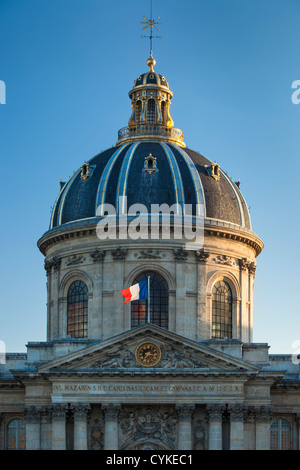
point(151, 111)
point(221, 310)
point(78, 310)
point(138, 111)
point(159, 302)
point(16, 435)
point(280, 435)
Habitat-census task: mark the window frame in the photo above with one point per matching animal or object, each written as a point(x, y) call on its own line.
point(280, 430)
point(77, 321)
point(222, 314)
point(158, 298)
point(19, 430)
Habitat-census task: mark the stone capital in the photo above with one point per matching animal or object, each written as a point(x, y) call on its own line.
point(32, 414)
point(119, 254)
point(202, 256)
point(180, 254)
point(111, 411)
point(59, 411)
point(97, 255)
point(184, 411)
point(237, 412)
point(81, 411)
point(214, 411)
point(263, 413)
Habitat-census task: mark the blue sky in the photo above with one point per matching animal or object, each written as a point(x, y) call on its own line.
point(68, 66)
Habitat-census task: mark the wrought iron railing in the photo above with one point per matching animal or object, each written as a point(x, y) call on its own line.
point(150, 131)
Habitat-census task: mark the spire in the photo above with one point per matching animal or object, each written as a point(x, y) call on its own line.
point(150, 23)
point(150, 102)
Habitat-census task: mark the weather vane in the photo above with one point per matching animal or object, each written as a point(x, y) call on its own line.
point(150, 23)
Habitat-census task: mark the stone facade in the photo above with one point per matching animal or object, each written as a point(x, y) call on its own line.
point(98, 389)
point(212, 398)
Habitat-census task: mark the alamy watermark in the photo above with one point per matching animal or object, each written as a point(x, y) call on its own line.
point(164, 222)
point(2, 352)
point(2, 92)
point(296, 354)
point(296, 95)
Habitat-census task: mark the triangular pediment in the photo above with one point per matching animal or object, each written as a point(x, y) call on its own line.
point(147, 348)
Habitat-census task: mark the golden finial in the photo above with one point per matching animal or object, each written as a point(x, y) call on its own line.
point(151, 62)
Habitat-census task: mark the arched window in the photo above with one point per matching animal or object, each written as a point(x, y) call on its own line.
point(16, 435)
point(221, 310)
point(78, 310)
point(138, 111)
point(163, 112)
point(151, 111)
point(280, 435)
point(159, 303)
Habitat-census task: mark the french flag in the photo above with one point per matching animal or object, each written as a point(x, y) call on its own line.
point(136, 292)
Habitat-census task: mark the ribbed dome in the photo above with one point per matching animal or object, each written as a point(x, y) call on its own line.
point(150, 173)
point(151, 78)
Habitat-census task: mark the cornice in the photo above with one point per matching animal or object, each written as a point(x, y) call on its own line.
point(213, 228)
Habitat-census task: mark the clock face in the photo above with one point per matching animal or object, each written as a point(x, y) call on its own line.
point(148, 354)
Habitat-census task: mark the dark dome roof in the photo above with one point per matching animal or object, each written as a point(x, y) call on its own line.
point(151, 78)
point(149, 172)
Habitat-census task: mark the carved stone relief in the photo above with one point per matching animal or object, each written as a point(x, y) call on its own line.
point(149, 254)
point(224, 260)
point(96, 429)
point(171, 357)
point(146, 427)
point(73, 260)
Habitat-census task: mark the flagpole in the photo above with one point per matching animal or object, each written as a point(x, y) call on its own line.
point(148, 299)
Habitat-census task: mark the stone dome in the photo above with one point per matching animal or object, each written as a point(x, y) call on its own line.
point(150, 172)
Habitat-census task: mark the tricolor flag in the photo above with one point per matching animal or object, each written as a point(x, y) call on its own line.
point(136, 292)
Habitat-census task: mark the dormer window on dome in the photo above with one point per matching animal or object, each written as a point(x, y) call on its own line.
point(150, 118)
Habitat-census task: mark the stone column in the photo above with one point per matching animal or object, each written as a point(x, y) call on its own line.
point(59, 426)
point(81, 414)
point(111, 429)
point(185, 434)
point(202, 258)
point(33, 427)
point(263, 422)
point(236, 426)
point(214, 415)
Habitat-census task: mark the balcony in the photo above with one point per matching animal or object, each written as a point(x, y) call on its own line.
point(150, 132)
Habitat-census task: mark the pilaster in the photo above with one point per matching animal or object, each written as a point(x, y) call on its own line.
point(214, 414)
point(59, 426)
point(201, 257)
point(33, 427)
point(180, 257)
point(96, 310)
point(118, 256)
point(237, 426)
point(81, 415)
point(185, 434)
point(263, 420)
point(111, 431)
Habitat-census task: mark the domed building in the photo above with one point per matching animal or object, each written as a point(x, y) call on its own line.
point(177, 369)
